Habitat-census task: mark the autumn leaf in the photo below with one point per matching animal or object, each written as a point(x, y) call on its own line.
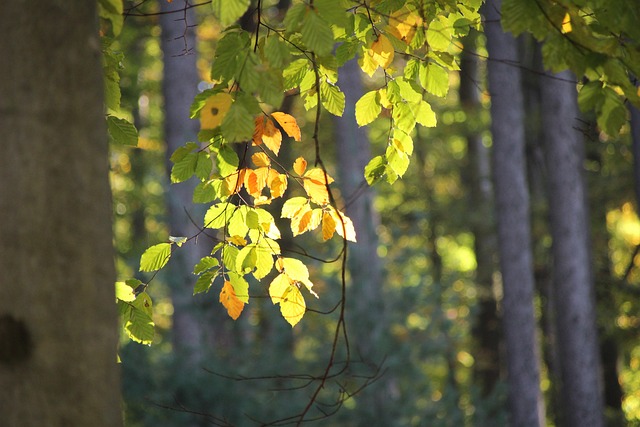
point(344, 225)
point(300, 165)
point(300, 222)
point(291, 207)
point(288, 124)
point(403, 24)
point(233, 183)
point(328, 226)
point(267, 133)
point(380, 54)
point(230, 301)
point(277, 183)
point(566, 24)
point(315, 183)
point(278, 287)
point(215, 109)
point(293, 306)
point(261, 160)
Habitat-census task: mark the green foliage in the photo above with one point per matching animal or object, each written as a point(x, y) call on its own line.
point(121, 131)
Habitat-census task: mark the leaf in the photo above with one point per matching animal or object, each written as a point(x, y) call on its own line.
point(266, 132)
point(292, 206)
point(155, 257)
point(124, 292)
point(328, 226)
point(300, 221)
point(439, 34)
point(425, 115)
point(227, 160)
point(237, 124)
point(315, 183)
point(404, 23)
point(375, 169)
point(368, 108)
point(434, 79)
point(276, 51)
point(218, 215)
point(300, 165)
point(566, 24)
point(240, 286)
point(294, 268)
point(121, 131)
point(140, 327)
point(178, 240)
point(264, 260)
point(381, 52)
point(206, 263)
point(204, 282)
point(332, 98)
point(246, 260)
point(289, 124)
point(230, 301)
point(292, 305)
point(229, 11)
point(278, 287)
point(184, 169)
point(215, 109)
point(204, 166)
point(277, 183)
point(316, 33)
point(295, 72)
point(261, 160)
point(344, 226)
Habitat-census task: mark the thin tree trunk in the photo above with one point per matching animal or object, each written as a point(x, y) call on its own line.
point(365, 308)
point(179, 87)
point(58, 329)
point(486, 329)
point(572, 276)
point(514, 239)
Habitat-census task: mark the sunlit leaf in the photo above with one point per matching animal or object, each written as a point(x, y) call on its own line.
point(277, 183)
point(230, 301)
point(315, 184)
point(300, 165)
point(206, 263)
point(266, 132)
point(204, 282)
point(300, 222)
point(292, 305)
point(288, 124)
point(292, 206)
point(332, 98)
point(229, 11)
point(218, 215)
point(278, 287)
point(344, 226)
point(155, 257)
point(214, 110)
point(328, 226)
point(124, 292)
point(261, 160)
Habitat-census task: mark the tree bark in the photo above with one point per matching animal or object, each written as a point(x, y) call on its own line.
point(486, 329)
point(58, 329)
point(365, 307)
point(513, 221)
point(179, 87)
point(573, 279)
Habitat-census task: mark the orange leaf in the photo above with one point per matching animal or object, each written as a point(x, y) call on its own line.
point(258, 130)
point(315, 184)
point(277, 183)
point(289, 124)
point(215, 108)
point(261, 160)
point(230, 301)
point(300, 165)
point(328, 226)
point(272, 137)
point(297, 223)
point(403, 24)
point(233, 182)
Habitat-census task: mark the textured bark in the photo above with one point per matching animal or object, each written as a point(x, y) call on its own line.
point(486, 329)
point(572, 276)
point(58, 329)
point(512, 209)
point(179, 87)
point(365, 307)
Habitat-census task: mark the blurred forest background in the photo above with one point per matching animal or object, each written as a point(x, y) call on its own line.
point(424, 294)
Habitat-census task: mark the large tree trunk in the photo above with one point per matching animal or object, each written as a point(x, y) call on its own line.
point(486, 329)
point(514, 239)
point(572, 276)
point(58, 329)
point(365, 308)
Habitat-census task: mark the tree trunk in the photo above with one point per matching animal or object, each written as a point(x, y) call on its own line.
point(572, 276)
point(365, 308)
point(58, 330)
point(179, 87)
point(486, 329)
point(512, 209)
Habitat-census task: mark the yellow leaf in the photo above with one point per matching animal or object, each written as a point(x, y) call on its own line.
point(566, 24)
point(255, 180)
point(315, 184)
point(289, 124)
point(300, 165)
point(237, 240)
point(215, 108)
point(277, 183)
point(384, 99)
point(293, 306)
point(266, 132)
point(344, 226)
point(403, 24)
point(278, 287)
point(261, 160)
point(297, 223)
point(328, 226)
point(230, 301)
point(380, 54)
point(233, 182)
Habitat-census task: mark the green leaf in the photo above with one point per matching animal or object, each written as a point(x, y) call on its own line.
point(264, 259)
point(229, 255)
point(246, 260)
point(439, 34)
point(184, 168)
point(205, 192)
point(124, 292)
point(295, 73)
point(317, 34)
point(240, 286)
point(397, 160)
point(203, 166)
point(271, 88)
point(347, 51)
point(332, 99)
point(112, 91)
point(218, 215)
point(112, 10)
point(238, 222)
point(140, 327)
point(204, 282)
point(591, 96)
point(237, 124)
point(295, 16)
point(404, 117)
point(229, 11)
point(155, 257)
point(332, 13)
point(409, 90)
point(613, 113)
point(375, 169)
point(434, 79)
point(368, 108)
point(206, 263)
point(425, 115)
point(122, 131)
point(227, 160)
point(181, 152)
point(230, 54)
point(276, 51)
